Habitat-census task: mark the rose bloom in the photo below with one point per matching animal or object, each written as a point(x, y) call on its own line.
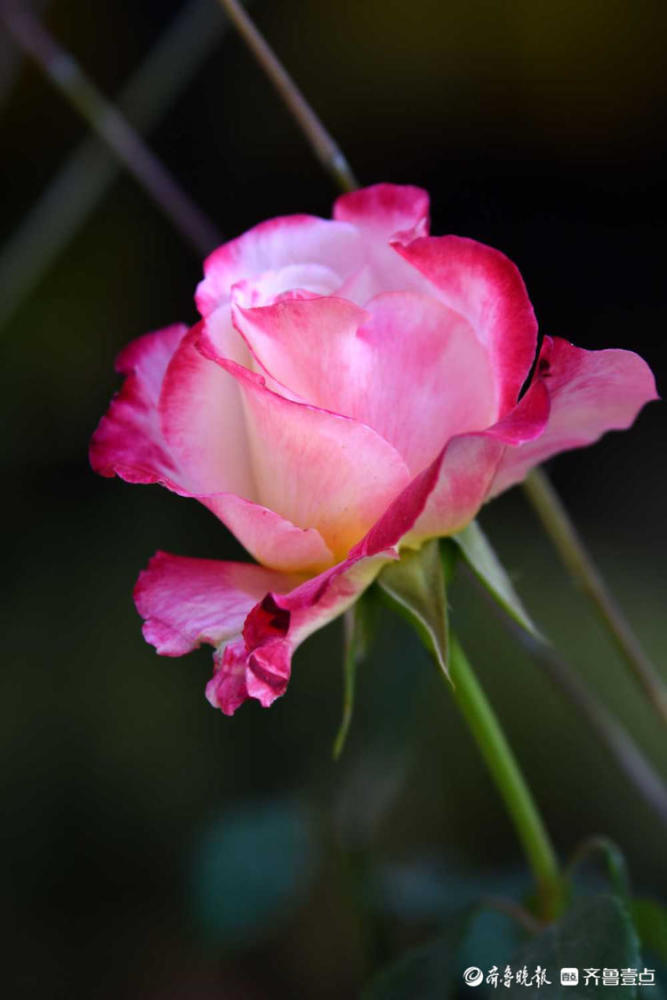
point(354, 387)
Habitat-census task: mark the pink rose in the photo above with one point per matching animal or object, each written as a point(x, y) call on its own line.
point(353, 387)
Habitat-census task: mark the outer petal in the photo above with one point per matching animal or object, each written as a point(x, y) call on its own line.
point(278, 243)
point(202, 418)
point(318, 469)
point(590, 392)
point(483, 285)
point(128, 441)
point(366, 365)
point(386, 211)
point(258, 665)
point(189, 601)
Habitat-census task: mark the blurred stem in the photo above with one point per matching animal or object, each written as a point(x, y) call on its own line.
point(326, 148)
point(558, 525)
point(510, 782)
point(86, 175)
point(630, 759)
point(539, 491)
point(103, 117)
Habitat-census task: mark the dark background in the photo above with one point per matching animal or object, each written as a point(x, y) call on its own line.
point(152, 847)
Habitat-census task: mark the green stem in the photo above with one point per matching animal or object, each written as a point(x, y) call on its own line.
point(510, 782)
point(563, 534)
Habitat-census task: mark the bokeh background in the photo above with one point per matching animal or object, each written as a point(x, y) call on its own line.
point(151, 847)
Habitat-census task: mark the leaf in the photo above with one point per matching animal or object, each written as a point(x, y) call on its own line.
point(426, 972)
point(358, 624)
point(596, 933)
point(650, 919)
point(250, 869)
point(617, 869)
point(416, 587)
point(485, 564)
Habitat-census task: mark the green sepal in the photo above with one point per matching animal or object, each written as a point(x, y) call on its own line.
point(485, 564)
point(358, 627)
point(415, 587)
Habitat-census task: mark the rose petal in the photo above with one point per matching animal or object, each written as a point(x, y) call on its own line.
point(318, 469)
point(385, 211)
point(128, 441)
point(486, 288)
point(189, 601)
point(201, 412)
point(590, 392)
point(275, 244)
point(367, 365)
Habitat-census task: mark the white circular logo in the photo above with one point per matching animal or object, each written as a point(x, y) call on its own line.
point(473, 976)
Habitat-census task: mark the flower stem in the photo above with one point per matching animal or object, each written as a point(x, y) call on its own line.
point(88, 172)
point(510, 782)
point(104, 118)
point(562, 532)
point(324, 145)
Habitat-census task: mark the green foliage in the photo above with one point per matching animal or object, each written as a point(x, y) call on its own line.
point(650, 919)
point(483, 561)
point(596, 933)
point(424, 973)
point(415, 586)
point(359, 624)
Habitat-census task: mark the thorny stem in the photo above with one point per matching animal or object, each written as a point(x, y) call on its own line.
point(102, 116)
point(541, 495)
point(558, 525)
point(510, 782)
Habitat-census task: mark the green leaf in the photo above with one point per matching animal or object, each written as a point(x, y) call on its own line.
point(415, 585)
point(596, 933)
point(613, 858)
point(358, 624)
point(650, 919)
point(427, 972)
point(485, 564)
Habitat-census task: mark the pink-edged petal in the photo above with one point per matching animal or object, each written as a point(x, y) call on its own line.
point(308, 349)
point(202, 419)
point(318, 469)
point(386, 211)
point(270, 538)
point(408, 367)
point(275, 244)
point(185, 602)
point(258, 665)
point(590, 392)
point(486, 288)
point(428, 377)
point(128, 441)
